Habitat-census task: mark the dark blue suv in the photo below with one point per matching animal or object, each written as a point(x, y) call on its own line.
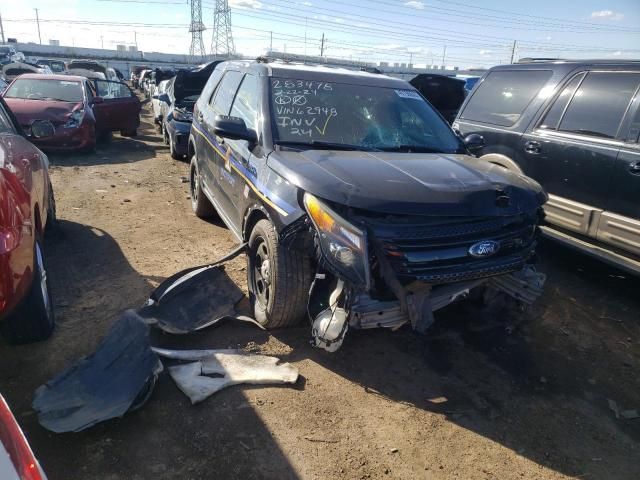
point(359, 205)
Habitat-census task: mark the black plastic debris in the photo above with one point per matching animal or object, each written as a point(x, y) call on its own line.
point(118, 377)
point(195, 298)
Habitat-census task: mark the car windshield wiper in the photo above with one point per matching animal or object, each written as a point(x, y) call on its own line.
point(412, 149)
point(320, 145)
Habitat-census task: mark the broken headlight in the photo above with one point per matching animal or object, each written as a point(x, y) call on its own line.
point(75, 119)
point(182, 115)
point(344, 246)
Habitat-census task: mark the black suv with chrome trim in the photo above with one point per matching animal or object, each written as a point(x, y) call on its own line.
point(360, 206)
point(574, 127)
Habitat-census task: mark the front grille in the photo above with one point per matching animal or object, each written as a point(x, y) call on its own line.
point(437, 250)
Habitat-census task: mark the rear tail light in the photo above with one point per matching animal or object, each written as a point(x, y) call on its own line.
point(16, 445)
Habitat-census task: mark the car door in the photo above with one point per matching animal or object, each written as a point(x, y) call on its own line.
point(619, 224)
point(215, 167)
point(238, 160)
point(119, 108)
point(573, 149)
point(202, 115)
point(499, 109)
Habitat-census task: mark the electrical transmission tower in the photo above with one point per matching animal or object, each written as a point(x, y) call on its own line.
point(196, 51)
point(222, 40)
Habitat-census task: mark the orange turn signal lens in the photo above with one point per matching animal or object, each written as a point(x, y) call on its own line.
point(320, 217)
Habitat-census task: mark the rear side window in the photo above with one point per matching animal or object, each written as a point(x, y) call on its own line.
point(552, 118)
point(212, 83)
point(600, 103)
point(226, 91)
point(634, 128)
point(245, 105)
point(502, 96)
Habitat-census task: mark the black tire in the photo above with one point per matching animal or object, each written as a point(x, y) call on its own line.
point(52, 218)
point(199, 202)
point(165, 135)
point(278, 278)
point(129, 133)
point(175, 155)
point(91, 147)
point(34, 320)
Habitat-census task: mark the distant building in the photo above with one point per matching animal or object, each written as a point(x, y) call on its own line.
point(121, 48)
point(55, 43)
point(133, 48)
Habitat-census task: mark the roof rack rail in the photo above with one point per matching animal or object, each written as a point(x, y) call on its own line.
point(540, 59)
point(268, 59)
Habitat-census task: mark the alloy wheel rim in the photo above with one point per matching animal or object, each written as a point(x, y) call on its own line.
point(43, 278)
point(194, 184)
point(262, 273)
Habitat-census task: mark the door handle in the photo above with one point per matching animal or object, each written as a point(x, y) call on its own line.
point(532, 147)
point(634, 168)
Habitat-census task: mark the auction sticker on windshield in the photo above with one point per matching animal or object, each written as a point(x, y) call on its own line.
point(408, 94)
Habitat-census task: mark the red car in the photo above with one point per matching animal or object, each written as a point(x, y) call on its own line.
point(27, 206)
point(17, 461)
point(80, 109)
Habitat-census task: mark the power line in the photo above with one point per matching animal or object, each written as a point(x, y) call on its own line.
point(443, 39)
point(511, 13)
point(400, 34)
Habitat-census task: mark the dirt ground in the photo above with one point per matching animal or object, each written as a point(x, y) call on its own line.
point(486, 395)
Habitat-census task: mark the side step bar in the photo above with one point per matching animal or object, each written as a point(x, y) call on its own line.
point(625, 263)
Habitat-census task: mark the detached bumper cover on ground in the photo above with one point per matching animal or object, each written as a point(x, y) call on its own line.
point(118, 377)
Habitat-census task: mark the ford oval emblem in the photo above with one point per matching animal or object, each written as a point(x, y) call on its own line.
point(486, 248)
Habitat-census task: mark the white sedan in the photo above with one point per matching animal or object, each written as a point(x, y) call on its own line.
point(156, 103)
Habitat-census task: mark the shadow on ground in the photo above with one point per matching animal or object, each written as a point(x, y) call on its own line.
point(114, 148)
point(539, 383)
point(92, 284)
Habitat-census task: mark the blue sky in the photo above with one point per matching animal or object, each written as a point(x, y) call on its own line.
point(475, 32)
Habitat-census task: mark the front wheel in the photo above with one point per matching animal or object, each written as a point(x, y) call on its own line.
point(278, 278)
point(199, 202)
point(172, 150)
point(34, 320)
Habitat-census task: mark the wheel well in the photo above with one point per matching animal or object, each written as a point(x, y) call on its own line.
point(253, 217)
point(502, 161)
point(191, 149)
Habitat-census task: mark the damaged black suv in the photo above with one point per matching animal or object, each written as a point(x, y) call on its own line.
point(360, 206)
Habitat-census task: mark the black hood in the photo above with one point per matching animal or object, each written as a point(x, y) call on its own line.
point(409, 183)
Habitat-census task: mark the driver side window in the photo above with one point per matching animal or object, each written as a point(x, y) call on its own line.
point(245, 105)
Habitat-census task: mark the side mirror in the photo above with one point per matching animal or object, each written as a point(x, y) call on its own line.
point(97, 100)
point(42, 129)
point(233, 128)
point(164, 98)
point(473, 142)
